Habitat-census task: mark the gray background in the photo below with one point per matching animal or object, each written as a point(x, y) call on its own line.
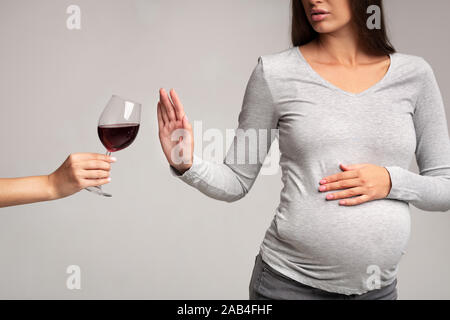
point(158, 238)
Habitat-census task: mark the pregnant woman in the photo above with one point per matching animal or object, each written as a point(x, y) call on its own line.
point(351, 113)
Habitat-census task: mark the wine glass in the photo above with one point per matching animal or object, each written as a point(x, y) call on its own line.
point(117, 128)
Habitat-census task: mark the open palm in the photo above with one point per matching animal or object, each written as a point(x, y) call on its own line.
point(175, 131)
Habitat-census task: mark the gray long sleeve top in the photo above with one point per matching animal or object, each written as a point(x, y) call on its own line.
point(317, 241)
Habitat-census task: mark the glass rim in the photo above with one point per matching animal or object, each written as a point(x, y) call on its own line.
point(125, 99)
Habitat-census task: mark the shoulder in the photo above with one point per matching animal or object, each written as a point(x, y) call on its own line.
point(279, 64)
point(418, 72)
point(413, 65)
point(279, 58)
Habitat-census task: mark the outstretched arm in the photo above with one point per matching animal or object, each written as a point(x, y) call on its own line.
point(80, 170)
point(233, 178)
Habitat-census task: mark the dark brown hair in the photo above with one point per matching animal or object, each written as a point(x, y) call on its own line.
point(374, 41)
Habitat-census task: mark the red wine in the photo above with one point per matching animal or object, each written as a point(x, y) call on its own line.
point(116, 137)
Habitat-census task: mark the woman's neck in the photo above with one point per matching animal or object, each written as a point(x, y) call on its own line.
point(341, 46)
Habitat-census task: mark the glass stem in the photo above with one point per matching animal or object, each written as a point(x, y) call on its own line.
point(108, 153)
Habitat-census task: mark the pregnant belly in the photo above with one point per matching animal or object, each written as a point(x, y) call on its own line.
point(349, 237)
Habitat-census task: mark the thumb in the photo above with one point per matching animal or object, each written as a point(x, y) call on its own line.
point(186, 124)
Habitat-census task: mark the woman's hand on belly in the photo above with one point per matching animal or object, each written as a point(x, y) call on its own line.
point(365, 181)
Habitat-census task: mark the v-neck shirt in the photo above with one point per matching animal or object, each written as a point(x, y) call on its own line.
point(338, 248)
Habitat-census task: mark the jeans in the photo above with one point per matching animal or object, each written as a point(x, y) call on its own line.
point(267, 283)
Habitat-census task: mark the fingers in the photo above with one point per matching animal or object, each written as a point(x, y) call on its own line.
point(356, 191)
point(355, 201)
point(341, 184)
point(94, 174)
point(160, 118)
point(78, 157)
point(171, 108)
point(179, 110)
point(95, 182)
point(95, 165)
point(167, 104)
point(164, 115)
point(341, 176)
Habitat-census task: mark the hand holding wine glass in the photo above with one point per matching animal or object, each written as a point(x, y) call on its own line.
point(117, 128)
point(175, 131)
point(78, 171)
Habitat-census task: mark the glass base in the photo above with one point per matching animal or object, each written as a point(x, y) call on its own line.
point(99, 191)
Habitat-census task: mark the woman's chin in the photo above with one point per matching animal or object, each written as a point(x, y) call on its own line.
point(325, 27)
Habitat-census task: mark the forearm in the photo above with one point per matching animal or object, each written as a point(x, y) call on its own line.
point(426, 192)
point(231, 179)
point(216, 181)
point(16, 191)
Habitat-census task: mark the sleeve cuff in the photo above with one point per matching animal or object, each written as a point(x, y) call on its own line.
point(190, 174)
point(397, 177)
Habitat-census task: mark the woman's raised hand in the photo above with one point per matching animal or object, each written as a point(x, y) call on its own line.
point(175, 131)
